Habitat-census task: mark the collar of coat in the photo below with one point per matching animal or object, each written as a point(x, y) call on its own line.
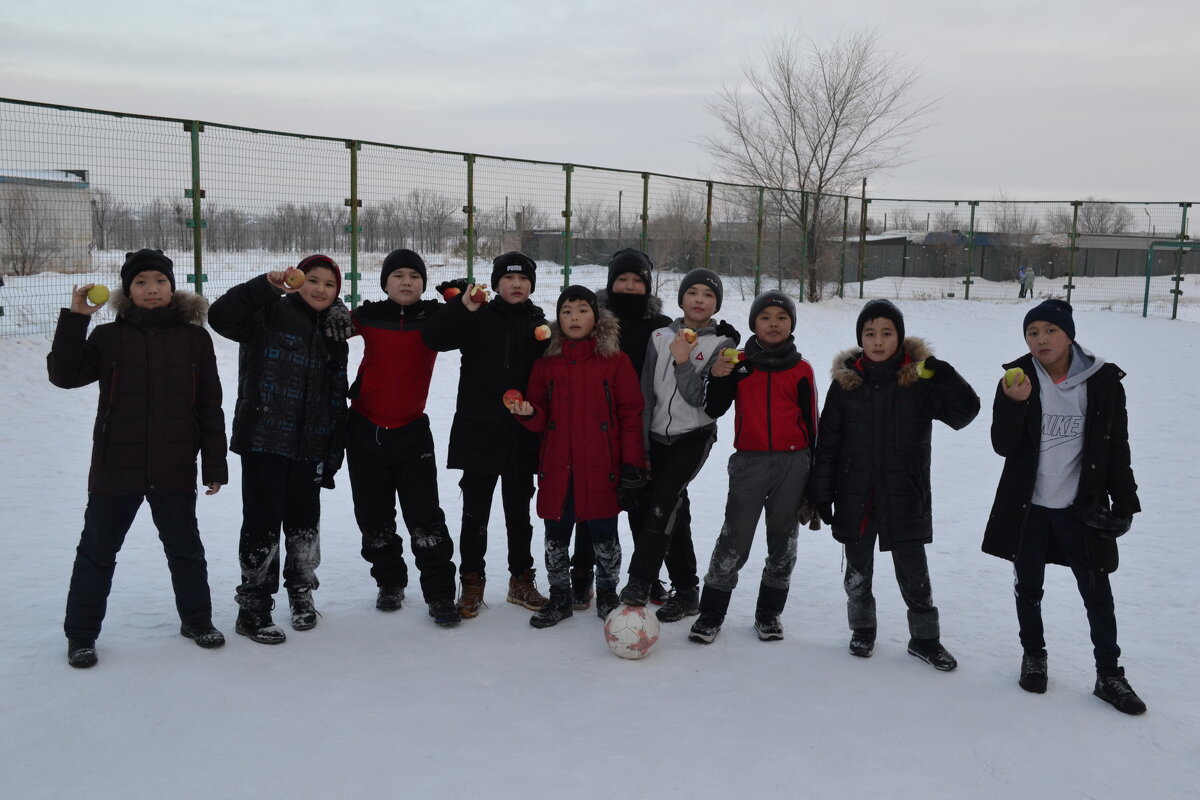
point(850, 378)
point(193, 308)
point(607, 335)
point(651, 310)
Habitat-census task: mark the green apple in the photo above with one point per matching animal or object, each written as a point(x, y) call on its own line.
point(1014, 377)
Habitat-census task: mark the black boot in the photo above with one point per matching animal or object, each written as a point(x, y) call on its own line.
point(557, 608)
point(1033, 673)
point(81, 653)
point(682, 603)
point(259, 627)
point(636, 591)
point(444, 613)
point(390, 598)
point(931, 652)
point(862, 642)
point(581, 589)
point(203, 634)
point(606, 601)
point(1111, 687)
point(766, 617)
point(304, 613)
point(713, 605)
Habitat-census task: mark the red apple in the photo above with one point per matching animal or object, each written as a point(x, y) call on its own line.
point(512, 397)
point(541, 333)
point(293, 278)
point(451, 291)
point(689, 335)
point(478, 295)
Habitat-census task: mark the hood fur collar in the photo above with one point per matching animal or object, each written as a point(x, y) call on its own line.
point(193, 308)
point(850, 378)
point(607, 335)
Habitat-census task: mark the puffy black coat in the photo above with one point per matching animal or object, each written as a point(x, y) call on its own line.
point(1105, 473)
point(639, 316)
point(873, 446)
point(498, 351)
point(160, 395)
point(291, 378)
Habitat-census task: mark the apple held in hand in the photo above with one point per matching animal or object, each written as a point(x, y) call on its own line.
point(293, 278)
point(924, 371)
point(1014, 377)
point(733, 354)
point(689, 335)
point(98, 294)
point(512, 397)
point(479, 295)
point(541, 333)
point(451, 292)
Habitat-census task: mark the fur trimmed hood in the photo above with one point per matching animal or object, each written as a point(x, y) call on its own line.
point(654, 303)
point(607, 335)
point(843, 372)
point(193, 308)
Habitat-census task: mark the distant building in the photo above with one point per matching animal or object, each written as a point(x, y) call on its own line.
point(45, 221)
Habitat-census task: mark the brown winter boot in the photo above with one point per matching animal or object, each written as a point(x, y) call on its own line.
point(471, 598)
point(523, 591)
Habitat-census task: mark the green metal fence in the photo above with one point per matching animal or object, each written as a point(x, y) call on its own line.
point(80, 187)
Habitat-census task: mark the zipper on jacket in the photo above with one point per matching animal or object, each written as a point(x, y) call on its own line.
point(770, 443)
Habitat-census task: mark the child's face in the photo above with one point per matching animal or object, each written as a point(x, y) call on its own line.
point(699, 304)
point(629, 283)
point(319, 289)
point(772, 326)
point(576, 320)
point(150, 289)
point(879, 338)
point(1049, 344)
point(404, 286)
point(513, 287)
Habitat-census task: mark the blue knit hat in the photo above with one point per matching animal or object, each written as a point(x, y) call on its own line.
point(1056, 312)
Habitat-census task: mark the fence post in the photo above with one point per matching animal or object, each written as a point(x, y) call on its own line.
point(862, 239)
point(469, 210)
point(568, 169)
point(1178, 276)
point(196, 223)
point(758, 243)
point(708, 223)
point(970, 251)
point(845, 233)
point(1070, 286)
point(645, 207)
point(803, 245)
point(353, 228)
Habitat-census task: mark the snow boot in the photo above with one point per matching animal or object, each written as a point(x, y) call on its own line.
point(713, 605)
point(522, 591)
point(444, 613)
point(658, 593)
point(682, 603)
point(771, 601)
point(203, 634)
point(931, 652)
point(1111, 687)
point(606, 601)
point(556, 609)
point(581, 589)
point(636, 591)
point(471, 599)
point(390, 598)
point(862, 642)
point(81, 653)
point(259, 627)
point(304, 613)
point(1033, 673)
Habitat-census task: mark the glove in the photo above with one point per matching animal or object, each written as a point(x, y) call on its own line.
point(1109, 524)
point(324, 477)
point(825, 512)
point(338, 325)
point(629, 493)
point(806, 514)
point(725, 329)
point(459, 284)
point(940, 370)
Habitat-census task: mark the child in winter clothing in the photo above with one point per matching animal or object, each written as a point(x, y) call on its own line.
point(585, 401)
point(872, 463)
point(389, 447)
point(160, 405)
point(639, 312)
point(680, 434)
point(499, 344)
point(288, 428)
point(1064, 410)
point(775, 432)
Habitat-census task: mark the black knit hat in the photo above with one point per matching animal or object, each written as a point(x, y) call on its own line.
point(705, 276)
point(1056, 312)
point(402, 259)
point(629, 260)
point(145, 260)
point(772, 298)
point(514, 262)
point(877, 309)
point(578, 293)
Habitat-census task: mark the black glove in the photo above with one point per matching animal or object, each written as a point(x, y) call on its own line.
point(459, 284)
point(807, 514)
point(1109, 524)
point(725, 329)
point(629, 493)
point(324, 477)
point(338, 325)
point(825, 512)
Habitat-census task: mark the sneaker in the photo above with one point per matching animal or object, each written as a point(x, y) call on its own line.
point(636, 592)
point(705, 629)
point(1111, 687)
point(1033, 673)
point(862, 642)
point(471, 599)
point(81, 653)
point(556, 609)
point(522, 591)
point(304, 613)
point(931, 652)
point(767, 623)
point(259, 627)
point(390, 598)
point(203, 634)
point(682, 603)
point(581, 589)
point(658, 593)
point(444, 613)
point(606, 601)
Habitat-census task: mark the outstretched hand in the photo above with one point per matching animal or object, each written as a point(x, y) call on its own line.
point(79, 302)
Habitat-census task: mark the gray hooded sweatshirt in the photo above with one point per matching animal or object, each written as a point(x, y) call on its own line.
point(1064, 409)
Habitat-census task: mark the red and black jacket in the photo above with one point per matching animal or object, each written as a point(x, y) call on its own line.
point(393, 378)
point(776, 399)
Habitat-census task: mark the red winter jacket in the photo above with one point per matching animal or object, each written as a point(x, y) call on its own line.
point(776, 399)
point(588, 408)
point(393, 378)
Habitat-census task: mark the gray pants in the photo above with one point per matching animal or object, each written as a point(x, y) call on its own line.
point(758, 480)
point(912, 576)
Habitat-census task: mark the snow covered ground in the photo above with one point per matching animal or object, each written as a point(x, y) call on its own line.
point(371, 704)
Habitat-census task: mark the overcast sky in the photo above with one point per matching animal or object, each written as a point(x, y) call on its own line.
point(1054, 99)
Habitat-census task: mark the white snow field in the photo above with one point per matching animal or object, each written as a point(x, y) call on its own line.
point(387, 705)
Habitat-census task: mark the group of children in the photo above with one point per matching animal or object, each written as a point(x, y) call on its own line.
point(615, 408)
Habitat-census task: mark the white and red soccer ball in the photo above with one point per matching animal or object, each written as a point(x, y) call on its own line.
point(631, 631)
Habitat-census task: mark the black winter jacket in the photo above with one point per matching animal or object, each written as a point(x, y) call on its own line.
point(291, 378)
point(873, 446)
point(160, 395)
point(498, 351)
point(639, 315)
point(1105, 470)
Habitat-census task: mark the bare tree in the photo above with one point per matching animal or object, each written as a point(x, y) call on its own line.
point(818, 119)
point(30, 236)
point(108, 214)
point(1096, 216)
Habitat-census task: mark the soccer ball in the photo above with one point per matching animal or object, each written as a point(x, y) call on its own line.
point(631, 631)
